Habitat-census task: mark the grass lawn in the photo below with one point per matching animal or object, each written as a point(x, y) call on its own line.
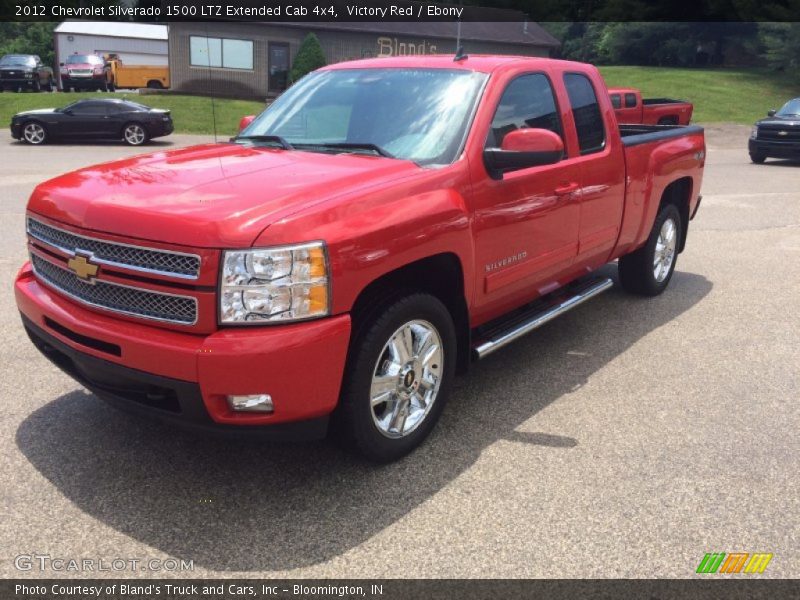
point(719, 95)
point(191, 114)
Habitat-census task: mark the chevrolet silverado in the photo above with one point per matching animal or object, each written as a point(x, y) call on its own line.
point(381, 225)
point(632, 109)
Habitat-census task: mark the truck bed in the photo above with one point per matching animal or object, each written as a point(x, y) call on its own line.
point(633, 135)
point(651, 101)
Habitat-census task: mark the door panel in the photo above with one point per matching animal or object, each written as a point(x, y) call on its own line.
point(602, 175)
point(525, 224)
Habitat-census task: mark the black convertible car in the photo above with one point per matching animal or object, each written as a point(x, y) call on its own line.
point(93, 119)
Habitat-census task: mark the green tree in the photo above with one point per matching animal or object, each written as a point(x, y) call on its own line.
point(32, 37)
point(309, 57)
point(781, 42)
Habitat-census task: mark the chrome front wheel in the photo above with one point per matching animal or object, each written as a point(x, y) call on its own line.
point(406, 378)
point(34, 133)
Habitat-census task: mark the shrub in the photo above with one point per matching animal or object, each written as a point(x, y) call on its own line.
point(309, 58)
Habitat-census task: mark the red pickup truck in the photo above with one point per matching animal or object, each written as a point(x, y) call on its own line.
point(631, 108)
point(381, 225)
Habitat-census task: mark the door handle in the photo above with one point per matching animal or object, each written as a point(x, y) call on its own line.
point(567, 188)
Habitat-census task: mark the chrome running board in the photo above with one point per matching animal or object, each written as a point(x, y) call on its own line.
point(539, 316)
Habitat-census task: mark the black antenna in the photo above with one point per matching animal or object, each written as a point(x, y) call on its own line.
point(211, 86)
point(460, 54)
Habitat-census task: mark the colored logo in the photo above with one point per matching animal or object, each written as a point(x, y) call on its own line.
point(734, 562)
point(81, 266)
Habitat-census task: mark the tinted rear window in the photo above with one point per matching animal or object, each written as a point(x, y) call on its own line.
point(586, 112)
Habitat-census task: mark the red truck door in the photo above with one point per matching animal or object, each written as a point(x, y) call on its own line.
point(526, 222)
point(600, 157)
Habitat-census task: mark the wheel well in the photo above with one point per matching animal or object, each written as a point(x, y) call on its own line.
point(155, 84)
point(679, 193)
point(440, 275)
point(669, 120)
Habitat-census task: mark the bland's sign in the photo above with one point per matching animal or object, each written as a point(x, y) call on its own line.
point(393, 47)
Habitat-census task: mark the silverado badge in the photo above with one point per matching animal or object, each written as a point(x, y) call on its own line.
point(81, 266)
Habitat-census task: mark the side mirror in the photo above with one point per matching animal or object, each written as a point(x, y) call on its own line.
point(523, 148)
point(245, 121)
point(771, 113)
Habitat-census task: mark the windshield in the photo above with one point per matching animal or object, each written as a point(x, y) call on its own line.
point(78, 59)
point(790, 109)
point(18, 61)
point(414, 114)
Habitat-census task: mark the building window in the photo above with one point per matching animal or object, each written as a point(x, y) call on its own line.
point(220, 52)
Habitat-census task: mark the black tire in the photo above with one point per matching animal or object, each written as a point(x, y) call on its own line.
point(111, 87)
point(353, 422)
point(127, 138)
point(637, 269)
point(37, 86)
point(668, 121)
point(758, 157)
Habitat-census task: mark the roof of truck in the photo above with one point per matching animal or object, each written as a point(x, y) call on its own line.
point(474, 62)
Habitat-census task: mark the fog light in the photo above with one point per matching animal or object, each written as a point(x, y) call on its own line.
point(251, 403)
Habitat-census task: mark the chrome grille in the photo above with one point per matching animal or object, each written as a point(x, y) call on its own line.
point(137, 258)
point(118, 298)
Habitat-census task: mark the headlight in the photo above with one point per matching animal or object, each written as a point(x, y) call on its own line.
point(98, 70)
point(754, 133)
point(284, 283)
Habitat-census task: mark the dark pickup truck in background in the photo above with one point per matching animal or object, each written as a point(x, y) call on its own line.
point(777, 136)
point(25, 71)
point(631, 108)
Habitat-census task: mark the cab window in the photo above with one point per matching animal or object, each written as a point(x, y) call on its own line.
point(586, 112)
point(616, 101)
point(527, 102)
point(630, 100)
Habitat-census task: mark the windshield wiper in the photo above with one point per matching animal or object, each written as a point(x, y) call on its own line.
point(276, 139)
point(353, 146)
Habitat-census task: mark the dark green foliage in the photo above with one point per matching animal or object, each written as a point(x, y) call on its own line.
point(659, 43)
point(28, 38)
point(781, 42)
point(309, 58)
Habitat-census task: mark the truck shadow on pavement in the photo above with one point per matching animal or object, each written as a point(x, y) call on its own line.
point(249, 506)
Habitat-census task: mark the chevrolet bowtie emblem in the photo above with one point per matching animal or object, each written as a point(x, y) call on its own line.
point(81, 266)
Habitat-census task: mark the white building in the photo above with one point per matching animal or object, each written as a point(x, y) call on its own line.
point(135, 43)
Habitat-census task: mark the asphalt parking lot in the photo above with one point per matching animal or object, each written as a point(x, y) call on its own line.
point(626, 439)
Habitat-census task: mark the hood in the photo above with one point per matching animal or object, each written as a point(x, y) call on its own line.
point(22, 68)
point(215, 195)
point(779, 122)
point(79, 66)
point(37, 111)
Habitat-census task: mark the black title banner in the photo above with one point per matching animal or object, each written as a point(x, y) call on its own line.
point(395, 589)
point(401, 10)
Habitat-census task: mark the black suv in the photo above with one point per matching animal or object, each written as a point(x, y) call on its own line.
point(777, 136)
point(18, 71)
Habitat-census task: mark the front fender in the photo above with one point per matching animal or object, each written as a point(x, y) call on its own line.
point(372, 235)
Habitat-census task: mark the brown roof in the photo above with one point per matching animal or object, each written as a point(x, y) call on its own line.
point(510, 32)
